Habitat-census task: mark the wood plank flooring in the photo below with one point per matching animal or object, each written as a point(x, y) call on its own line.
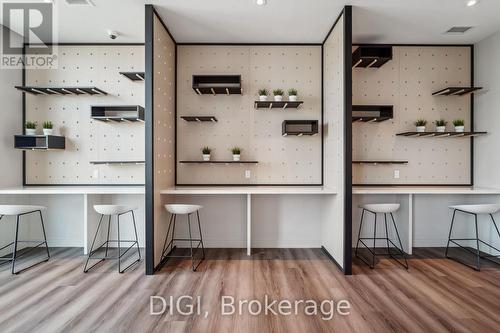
point(435, 295)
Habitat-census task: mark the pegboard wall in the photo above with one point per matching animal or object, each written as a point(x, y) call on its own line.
point(86, 139)
point(282, 160)
point(407, 82)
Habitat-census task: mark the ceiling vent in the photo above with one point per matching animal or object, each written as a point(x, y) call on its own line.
point(458, 30)
point(80, 2)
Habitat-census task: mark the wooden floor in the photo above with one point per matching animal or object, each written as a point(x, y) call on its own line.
point(435, 295)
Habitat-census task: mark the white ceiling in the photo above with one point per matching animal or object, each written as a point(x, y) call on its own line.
point(240, 21)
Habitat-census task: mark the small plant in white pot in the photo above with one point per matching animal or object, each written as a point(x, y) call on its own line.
point(292, 95)
point(236, 153)
point(420, 125)
point(440, 126)
point(30, 128)
point(263, 95)
point(47, 128)
point(459, 125)
point(278, 95)
point(206, 153)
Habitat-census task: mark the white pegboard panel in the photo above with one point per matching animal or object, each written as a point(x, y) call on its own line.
point(282, 160)
point(407, 82)
point(88, 140)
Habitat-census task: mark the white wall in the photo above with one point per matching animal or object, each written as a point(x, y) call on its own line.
point(11, 124)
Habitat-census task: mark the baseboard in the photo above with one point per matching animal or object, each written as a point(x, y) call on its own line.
point(325, 251)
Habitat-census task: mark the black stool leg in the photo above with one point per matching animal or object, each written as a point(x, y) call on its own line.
point(399, 240)
point(449, 234)
point(201, 236)
point(166, 237)
point(14, 254)
point(374, 241)
point(495, 224)
point(85, 270)
point(119, 248)
point(191, 242)
point(44, 235)
point(136, 238)
point(478, 258)
point(359, 232)
point(387, 235)
point(107, 237)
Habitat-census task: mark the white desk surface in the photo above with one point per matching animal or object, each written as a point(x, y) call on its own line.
point(74, 190)
point(248, 190)
point(424, 190)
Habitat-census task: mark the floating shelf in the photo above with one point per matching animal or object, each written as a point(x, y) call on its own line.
point(379, 162)
point(371, 113)
point(456, 91)
point(39, 142)
point(277, 105)
point(116, 162)
point(217, 84)
point(218, 162)
point(371, 56)
point(299, 127)
point(61, 90)
point(134, 76)
point(117, 113)
point(441, 134)
point(199, 118)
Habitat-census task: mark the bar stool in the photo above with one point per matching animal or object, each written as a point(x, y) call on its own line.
point(487, 209)
point(179, 209)
point(18, 211)
point(110, 210)
point(381, 209)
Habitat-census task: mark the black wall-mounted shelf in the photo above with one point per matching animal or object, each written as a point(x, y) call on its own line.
point(117, 113)
point(456, 91)
point(115, 162)
point(441, 134)
point(371, 56)
point(61, 90)
point(133, 76)
point(218, 162)
point(277, 105)
point(39, 142)
point(299, 127)
point(199, 118)
point(217, 84)
point(379, 162)
point(371, 113)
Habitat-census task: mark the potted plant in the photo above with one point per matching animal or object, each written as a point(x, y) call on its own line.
point(30, 128)
point(47, 128)
point(292, 95)
point(440, 125)
point(263, 95)
point(236, 153)
point(459, 125)
point(278, 95)
point(206, 153)
point(420, 125)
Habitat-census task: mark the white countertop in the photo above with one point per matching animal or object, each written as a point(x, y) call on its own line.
point(423, 190)
point(74, 190)
point(248, 190)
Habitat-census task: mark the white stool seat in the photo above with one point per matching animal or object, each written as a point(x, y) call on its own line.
point(19, 209)
point(381, 208)
point(113, 209)
point(182, 209)
point(478, 209)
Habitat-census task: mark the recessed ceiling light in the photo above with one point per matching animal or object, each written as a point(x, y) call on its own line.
point(260, 2)
point(471, 3)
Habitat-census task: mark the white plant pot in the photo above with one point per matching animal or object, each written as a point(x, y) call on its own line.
point(292, 98)
point(278, 98)
point(30, 131)
point(440, 129)
point(236, 157)
point(459, 129)
point(48, 131)
point(263, 98)
point(206, 157)
point(420, 129)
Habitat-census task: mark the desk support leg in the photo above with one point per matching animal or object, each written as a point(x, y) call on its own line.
point(410, 223)
point(249, 224)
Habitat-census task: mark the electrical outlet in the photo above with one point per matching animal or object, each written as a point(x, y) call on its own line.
point(247, 174)
point(396, 174)
point(96, 173)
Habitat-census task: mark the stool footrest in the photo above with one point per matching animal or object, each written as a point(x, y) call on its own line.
point(91, 254)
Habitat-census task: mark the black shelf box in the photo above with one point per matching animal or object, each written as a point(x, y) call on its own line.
point(117, 113)
point(217, 84)
point(372, 113)
point(39, 142)
point(277, 105)
point(299, 127)
point(371, 56)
